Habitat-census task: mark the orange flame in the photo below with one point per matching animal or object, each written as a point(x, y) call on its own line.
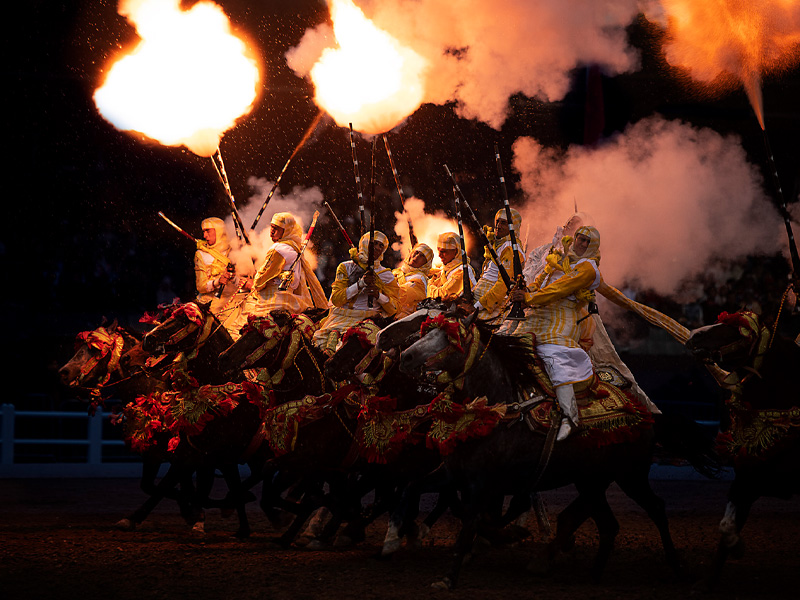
point(370, 79)
point(186, 82)
point(718, 39)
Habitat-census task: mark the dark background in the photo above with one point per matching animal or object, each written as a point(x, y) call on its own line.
point(84, 242)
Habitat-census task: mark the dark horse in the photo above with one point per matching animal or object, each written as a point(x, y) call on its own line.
point(109, 361)
point(517, 459)
point(763, 437)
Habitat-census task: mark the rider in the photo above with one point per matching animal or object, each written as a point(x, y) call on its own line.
point(214, 270)
point(536, 260)
point(303, 290)
point(355, 283)
point(412, 277)
point(491, 290)
point(448, 281)
point(560, 302)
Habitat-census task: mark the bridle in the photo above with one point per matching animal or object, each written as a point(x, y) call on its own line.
point(107, 344)
point(462, 340)
point(755, 337)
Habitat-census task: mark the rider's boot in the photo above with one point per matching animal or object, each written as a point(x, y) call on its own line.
point(565, 395)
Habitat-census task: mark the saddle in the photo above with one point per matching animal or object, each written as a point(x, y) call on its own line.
point(607, 415)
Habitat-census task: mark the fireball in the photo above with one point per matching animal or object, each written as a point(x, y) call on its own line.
point(186, 82)
point(369, 79)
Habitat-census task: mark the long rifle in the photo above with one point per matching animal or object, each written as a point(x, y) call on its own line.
point(784, 212)
point(486, 243)
point(358, 180)
point(201, 245)
point(517, 312)
point(307, 134)
point(370, 251)
point(219, 165)
point(287, 275)
point(342, 230)
point(465, 281)
point(411, 236)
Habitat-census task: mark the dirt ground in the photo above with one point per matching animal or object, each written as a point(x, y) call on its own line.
point(58, 541)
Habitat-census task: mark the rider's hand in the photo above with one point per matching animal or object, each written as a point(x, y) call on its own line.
point(517, 295)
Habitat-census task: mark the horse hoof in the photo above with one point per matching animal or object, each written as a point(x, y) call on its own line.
point(444, 584)
point(315, 545)
point(390, 547)
point(125, 525)
point(199, 528)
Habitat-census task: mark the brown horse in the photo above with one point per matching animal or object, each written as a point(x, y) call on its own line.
point(499, 374)
point(109, 361)
point(762, 440)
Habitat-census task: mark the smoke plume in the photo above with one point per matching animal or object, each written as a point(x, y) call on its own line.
point(666, 197)
point(480, 53)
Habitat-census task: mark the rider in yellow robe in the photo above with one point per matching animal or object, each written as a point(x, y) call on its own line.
point(448, 280)
point(353, 286)
point(491, 291)
point(560, 296)
point(212, 273)
point(412, 277)
point(303, 290)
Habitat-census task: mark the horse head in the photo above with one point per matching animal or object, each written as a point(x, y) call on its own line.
point(259, 337)
point(403, 332)
point(188, 326)
point(357, 351)
point(99, 354)
point(735, 341)
point(446, 343)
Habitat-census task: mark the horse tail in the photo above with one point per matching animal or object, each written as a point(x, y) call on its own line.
point(681, 437)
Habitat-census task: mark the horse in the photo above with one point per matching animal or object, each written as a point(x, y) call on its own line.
point(110, 360)
point(196, 336)
point(276, 350)
point(762, 439)
point(359, 360)
point(489, 377)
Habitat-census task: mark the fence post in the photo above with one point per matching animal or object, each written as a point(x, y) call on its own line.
point(95, 455)
point(8, 434)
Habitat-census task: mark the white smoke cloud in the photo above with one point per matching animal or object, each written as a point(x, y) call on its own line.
point(301, 202)
point(482, 52)
point(427, 228)
point(666, 197)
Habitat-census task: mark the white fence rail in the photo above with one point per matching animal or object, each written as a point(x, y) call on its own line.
point(93, 466)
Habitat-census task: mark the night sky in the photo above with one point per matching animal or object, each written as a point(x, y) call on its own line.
point(84, 240)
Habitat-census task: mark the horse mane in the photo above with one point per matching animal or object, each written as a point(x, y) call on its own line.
point(514, 352)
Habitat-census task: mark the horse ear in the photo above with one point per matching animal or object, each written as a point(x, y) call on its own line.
point(281, 317)
point(114, 325)
point(470, 319)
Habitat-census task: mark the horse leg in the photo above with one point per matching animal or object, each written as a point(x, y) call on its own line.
point(474, 502)
point(637, 488)
point(239, 496)
point(407, 508)
point(607, 528)
point(155, 492)
point(740, 501)
point(567, 523)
